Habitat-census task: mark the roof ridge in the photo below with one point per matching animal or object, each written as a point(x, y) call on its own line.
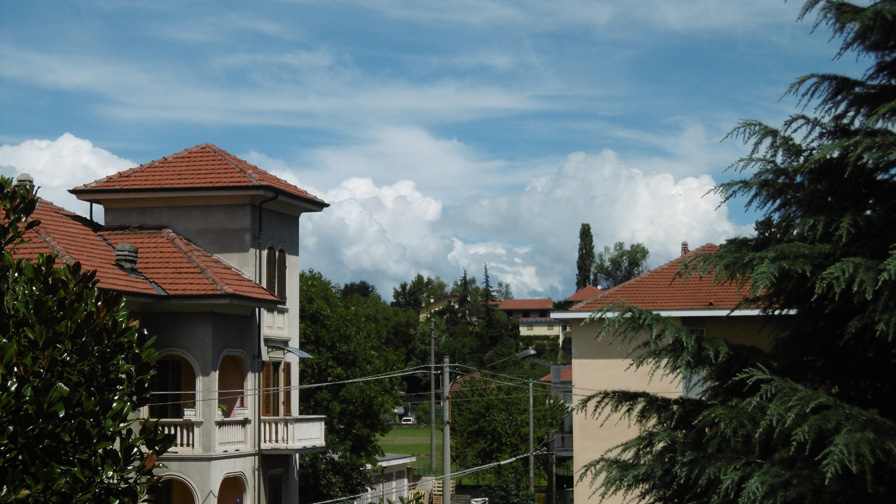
point(54, 245)
point(179, 243)
point(655, 271)
point(228, 158)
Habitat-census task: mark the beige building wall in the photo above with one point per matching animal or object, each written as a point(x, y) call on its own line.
point(541, 329)
point(602, 365)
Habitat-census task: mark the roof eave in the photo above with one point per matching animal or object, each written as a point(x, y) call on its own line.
point(718, 312)
point(226, 303)
point(98, 195)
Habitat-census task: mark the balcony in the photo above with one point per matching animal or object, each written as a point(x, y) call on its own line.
point(185, 432)
point(232, 434)
point(294, 433)
point(563, 444)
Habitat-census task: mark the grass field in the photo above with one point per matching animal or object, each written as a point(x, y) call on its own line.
point(415, 441)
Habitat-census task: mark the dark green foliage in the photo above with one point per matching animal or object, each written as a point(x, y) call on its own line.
point(619, 264)
point(490, 423)
point(585, 259)
point(420, 291)
point(510, 485)
point(347, 338)
point(361, 288)
point(813, 419)
point(75, 370)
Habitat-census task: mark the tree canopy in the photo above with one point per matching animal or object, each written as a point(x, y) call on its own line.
point(490, 423)
point(347, 338)
point(419, 291)
point(75, 369)
point(814, 418)
point(619, 264)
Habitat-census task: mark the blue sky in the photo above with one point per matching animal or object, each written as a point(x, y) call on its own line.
point(445, 135)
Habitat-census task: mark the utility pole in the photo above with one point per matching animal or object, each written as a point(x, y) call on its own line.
point(446, 433)
point(531, 437)
point(432, 395)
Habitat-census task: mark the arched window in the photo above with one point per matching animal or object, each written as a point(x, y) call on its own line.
point(231, 382)
point(270, 270)
point(275, 272)
point(281, 274)
point(174, 387)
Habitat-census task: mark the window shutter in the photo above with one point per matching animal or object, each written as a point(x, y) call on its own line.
point(267, 382)
point(287, 389)
point(281, 274)
point(270, 270)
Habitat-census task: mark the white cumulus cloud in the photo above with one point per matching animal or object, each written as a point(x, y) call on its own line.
point(59, 165)
point(529, 239)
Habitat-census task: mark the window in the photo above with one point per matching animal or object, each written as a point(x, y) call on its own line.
point(693, 385)
point(281, 274)
point(174, 387)
point(276, 396)
point(270, 270)
point(275, 272)
point(529, 327)
point(550, 326)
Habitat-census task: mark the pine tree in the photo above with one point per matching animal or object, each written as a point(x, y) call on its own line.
point(814, 418)
point(585, 260)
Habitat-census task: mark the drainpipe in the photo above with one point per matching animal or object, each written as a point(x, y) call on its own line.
point(260, 362)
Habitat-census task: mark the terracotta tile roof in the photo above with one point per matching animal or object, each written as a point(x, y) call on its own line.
point(204, 166)
point(565, 375)
point(167, 264)
point(74, 238)
point(526, 304)
point(585, 293)
point(661, 289)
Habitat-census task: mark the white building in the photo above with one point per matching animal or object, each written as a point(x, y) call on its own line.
point(205, 248)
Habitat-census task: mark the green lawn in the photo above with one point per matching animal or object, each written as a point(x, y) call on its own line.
point(415, 441)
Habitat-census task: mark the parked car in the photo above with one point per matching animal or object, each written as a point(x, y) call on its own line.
point(408, 420)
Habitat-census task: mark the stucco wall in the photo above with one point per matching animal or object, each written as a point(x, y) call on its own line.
point(602, 365)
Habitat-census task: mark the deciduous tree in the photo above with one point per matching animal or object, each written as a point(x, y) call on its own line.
point(490, 423)
point(75, 370)
point(619, 264)
point(413, 295)
point(346, 337)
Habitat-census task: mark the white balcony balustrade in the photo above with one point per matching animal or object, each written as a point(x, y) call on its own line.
point(232, 434)
point(185, 432)
point(292, 433)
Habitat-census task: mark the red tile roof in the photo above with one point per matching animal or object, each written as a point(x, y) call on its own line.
point(662, 289)
point(204, 166)
point(585, 293)
point(167, 265)
point(565, 375)
point(526, 304)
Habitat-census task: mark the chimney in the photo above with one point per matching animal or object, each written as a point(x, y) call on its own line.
point(25, 180)
point(126, 256)
point(684, 248)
